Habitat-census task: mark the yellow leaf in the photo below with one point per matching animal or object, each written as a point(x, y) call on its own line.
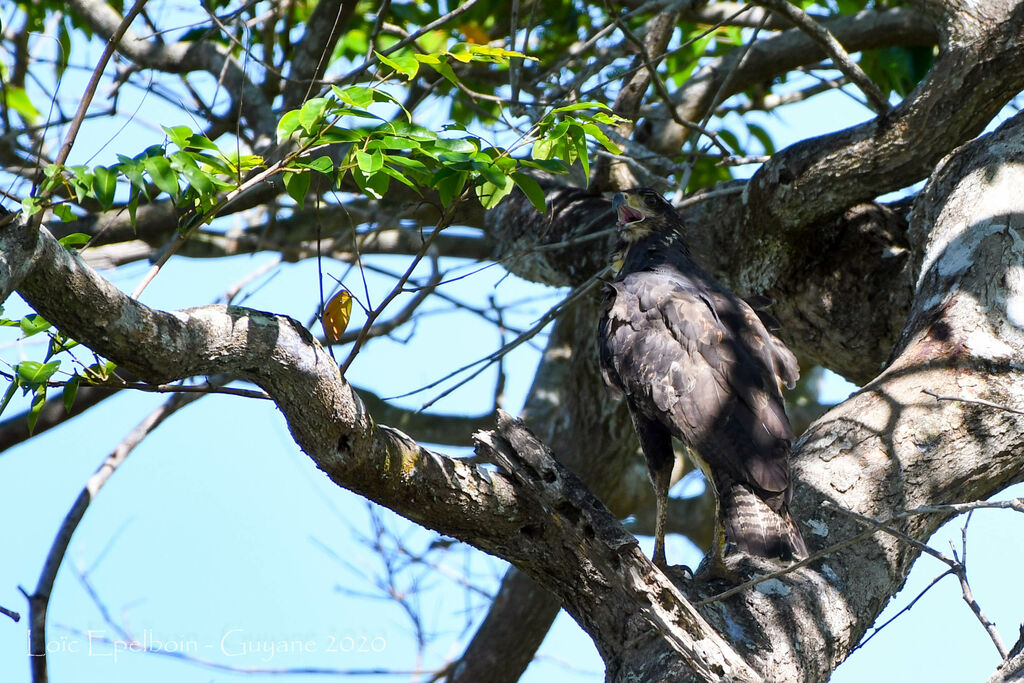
point(336, 314)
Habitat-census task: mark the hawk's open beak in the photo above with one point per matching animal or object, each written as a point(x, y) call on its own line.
point(627, 214)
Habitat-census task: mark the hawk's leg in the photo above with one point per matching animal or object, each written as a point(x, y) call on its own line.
point(656, 442)
point(662, 483)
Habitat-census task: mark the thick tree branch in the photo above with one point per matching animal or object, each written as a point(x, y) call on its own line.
point(776, 55)
point(968, 85)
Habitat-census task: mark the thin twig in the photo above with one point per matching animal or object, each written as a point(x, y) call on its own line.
point(1014, 504)
point(663, 92)
point(40, 598)
point(827, 42)
point(437, 23)
point(977, 401)
point(691, 160)
point(876, 630)
point(552, 313)
point(965, 586)
point(11, 613)
point(94, 81)
point(442, 223)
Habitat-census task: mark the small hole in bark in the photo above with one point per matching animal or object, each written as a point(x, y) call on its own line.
point(940, 331)
point(530, 531)
point(570, 512)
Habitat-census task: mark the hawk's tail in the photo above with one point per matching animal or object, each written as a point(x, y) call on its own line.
point(759, 527)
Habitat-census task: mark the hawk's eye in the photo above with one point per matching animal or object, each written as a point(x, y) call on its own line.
point(650, 199)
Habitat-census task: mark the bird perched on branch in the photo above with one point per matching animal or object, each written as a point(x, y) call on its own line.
point(695, 361)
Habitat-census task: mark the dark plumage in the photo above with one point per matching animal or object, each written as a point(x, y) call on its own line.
point(694, 361)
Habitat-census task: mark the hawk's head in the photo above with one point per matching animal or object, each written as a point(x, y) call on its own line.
point(643, 211)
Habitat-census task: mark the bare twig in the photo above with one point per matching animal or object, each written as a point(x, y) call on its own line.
point(10, 613)
point(364, 333)
point(878, 629)
point(976, 401)
point(827, 42)
point(39, 600)
point(875, 526)
point(94, 81)
point(504, 350)
point(437, 23)
point(379, 329)
point(719, 96)
point(957, 566)
point(965, 586)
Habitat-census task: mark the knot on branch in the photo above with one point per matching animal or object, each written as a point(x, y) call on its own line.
point(540, 478)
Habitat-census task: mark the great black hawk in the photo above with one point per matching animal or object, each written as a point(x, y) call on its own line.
point(695, 361)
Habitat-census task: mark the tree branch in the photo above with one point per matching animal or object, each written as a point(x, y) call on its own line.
point(827, 42)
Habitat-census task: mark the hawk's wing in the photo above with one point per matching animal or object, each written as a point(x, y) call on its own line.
point(701, 362)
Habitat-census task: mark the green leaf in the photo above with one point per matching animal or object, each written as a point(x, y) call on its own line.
point(311, 116)
point(580, 105)
point(33, 374)
point(461, 52)
point(81, 181)
point(322, 164)
point(409, 130)
point(491, 173)
point(74, 240)
point(763, 137)
point(532, 189)
point(71, 391)
point(104, 183)
point(457, 145)
point(63, 212)
point(449, 184)
point(403, 63)
point(297, 185)
point(18, 100)
point(38, 401)
point(413, 164)
point(393, 142)
point(9, 394)
point(579, 145)
point(490, 194)
point(594, 131)
point(133, 204)
point(369, 163)
point(164, 177)
point(399, 177)
point(549, 165)
point(179, 135)
point(439, 64)
point(358, 96)
point(731, 140)
point(33, 323)
point(202, 181)
point(496, 55)
point(132, 170)
point(288, 124)
point(335, 134)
